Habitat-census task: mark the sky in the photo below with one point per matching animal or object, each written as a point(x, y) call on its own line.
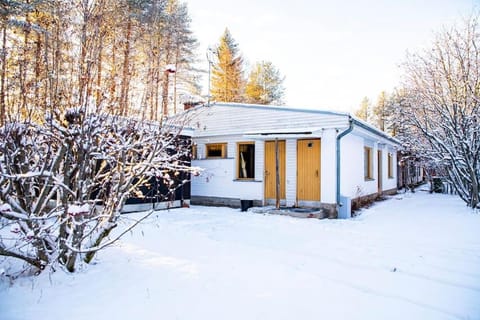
point(332, 53)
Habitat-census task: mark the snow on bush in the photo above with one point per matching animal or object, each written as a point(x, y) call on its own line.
point(63, 183)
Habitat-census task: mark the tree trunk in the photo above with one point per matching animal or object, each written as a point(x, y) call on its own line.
point(38, 64)
point(126, 71)
point(89, 256)
point(474, 190)
point(165, 94)
point(23, 65)
point(98, 92)
point(3, 73)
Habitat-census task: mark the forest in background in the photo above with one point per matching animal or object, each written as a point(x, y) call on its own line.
point(115, 56)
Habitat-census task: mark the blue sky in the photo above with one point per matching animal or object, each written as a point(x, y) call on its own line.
point(332, 53)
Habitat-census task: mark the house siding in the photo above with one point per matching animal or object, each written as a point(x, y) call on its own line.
point(353, 183)
point(291, 172)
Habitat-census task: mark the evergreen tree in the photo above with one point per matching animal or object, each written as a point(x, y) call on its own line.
point(102, 55)
point(380, 111)
point(227, 73)
point(264, 84)
point(364, 112)
point(181, 51)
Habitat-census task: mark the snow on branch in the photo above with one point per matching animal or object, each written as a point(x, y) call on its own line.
point(65, 183)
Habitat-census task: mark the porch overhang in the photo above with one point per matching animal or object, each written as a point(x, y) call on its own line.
point(287, 133)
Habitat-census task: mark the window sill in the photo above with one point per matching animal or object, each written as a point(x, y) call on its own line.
point(369, 179)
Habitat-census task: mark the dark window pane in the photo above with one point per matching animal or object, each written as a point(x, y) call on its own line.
point(246, 161)
point(216, 150)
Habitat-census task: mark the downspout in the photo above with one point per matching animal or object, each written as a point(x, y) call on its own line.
point(340, 136)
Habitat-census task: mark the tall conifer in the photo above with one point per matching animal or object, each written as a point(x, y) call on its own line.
point(264, 84)
point(364, 112)
point(227, 73)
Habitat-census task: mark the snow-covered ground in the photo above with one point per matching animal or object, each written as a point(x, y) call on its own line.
point(414, 256)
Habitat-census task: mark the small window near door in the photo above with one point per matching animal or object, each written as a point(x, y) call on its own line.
point(368, 163)
point(246, 160)
point(390, 166)
point(216, 150)
point(194, 152)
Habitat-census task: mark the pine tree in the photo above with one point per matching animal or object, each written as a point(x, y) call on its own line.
point(227, 73)
point(365, 110)
point(102, 55)
point(380, 111)
point(264, 84)
point(180, 52)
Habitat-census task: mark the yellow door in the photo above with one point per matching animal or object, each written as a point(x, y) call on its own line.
point(270, 173)
point(308, 170)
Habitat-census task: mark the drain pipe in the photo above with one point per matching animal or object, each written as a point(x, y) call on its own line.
point(340, 136)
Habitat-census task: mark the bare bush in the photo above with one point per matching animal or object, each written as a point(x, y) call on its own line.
point(63, 184)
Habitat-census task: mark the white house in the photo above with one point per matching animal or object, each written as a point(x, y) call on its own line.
point(324, 158)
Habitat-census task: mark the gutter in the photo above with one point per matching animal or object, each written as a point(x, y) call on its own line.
point(351, 122)
point(362, 125)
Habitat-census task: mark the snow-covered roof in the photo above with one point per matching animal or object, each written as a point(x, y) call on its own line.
point(252, 119)
point(284, 108)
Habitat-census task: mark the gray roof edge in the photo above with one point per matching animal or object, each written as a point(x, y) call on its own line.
point(282, 108)
point(374, 130)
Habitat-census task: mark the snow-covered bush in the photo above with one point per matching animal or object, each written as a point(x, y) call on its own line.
point(63, 183)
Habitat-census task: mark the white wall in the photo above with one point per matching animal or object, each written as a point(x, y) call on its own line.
point(218, 177)
point(353, 183)
point(351, 162)
point(328, 165)
point(389, 183)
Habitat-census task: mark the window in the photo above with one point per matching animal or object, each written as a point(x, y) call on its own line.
point(194, 152)
point(246, 160)
point(216, 150)
point(368, 163)
point(390, 166)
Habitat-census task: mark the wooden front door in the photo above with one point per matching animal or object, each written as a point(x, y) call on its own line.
point(270, 173)
point(308, 170)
